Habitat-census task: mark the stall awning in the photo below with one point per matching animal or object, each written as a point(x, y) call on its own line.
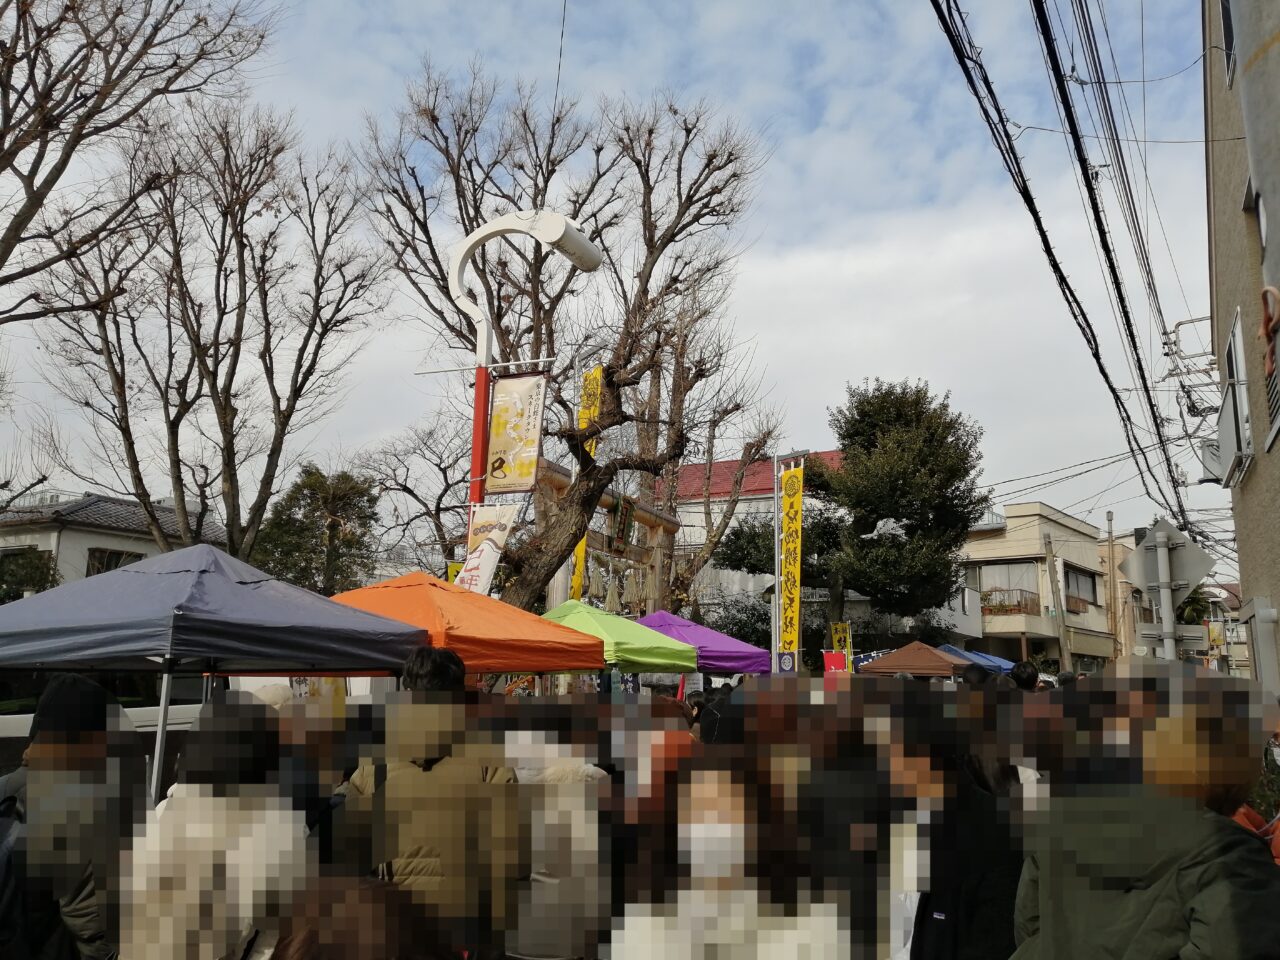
point(199, 608)
point(717, 653)
point(490, 636)
point(918, 659)
point(630, 647)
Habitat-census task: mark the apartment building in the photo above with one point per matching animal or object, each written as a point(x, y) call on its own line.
point(1042, 587)
point(1242, 166)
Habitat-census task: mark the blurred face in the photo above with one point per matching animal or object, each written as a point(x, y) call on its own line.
point(67, 797)
point(1185, 762)
point(713, 828)
point(418, 731)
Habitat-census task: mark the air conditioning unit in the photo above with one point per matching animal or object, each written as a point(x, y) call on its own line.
point(1211, 460)
point(1232, 459)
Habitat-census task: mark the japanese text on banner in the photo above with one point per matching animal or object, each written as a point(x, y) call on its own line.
point(588, 410)
point(485, 540)
point(789, 596)
point(515, 433)
point(840, 637)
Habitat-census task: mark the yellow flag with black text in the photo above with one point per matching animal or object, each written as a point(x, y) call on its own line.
point(792, 483)
point(588, 410)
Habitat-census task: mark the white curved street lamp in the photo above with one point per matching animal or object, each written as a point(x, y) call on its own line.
point(556, 231)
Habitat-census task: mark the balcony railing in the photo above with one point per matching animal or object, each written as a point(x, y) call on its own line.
point(1076, 604)
point(1003, 603)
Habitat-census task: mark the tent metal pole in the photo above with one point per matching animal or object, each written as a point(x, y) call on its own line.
point(162, 724)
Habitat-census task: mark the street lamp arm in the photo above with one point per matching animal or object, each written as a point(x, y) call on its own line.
point(555, 230)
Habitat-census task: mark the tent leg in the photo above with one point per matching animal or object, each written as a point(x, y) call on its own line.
point(157, 763)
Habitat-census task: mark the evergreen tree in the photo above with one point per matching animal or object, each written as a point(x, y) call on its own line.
point(906, 456)
point(320, 532)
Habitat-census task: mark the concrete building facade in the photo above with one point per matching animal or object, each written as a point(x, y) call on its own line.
point(1041, 586)
point(1242, 163)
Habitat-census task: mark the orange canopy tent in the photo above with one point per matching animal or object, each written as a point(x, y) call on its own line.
point(918, 659)
point(490, 636)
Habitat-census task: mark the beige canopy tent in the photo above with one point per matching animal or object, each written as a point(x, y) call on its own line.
point(918, 659)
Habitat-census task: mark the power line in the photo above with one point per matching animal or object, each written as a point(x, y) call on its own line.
point(555, 100)
point(1045, 30)
point(968, 57)
point(1092, 136)
point(1044, 473)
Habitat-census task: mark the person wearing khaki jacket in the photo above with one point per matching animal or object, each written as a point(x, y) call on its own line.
point(445, 819)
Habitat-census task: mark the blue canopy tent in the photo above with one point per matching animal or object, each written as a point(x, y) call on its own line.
point(993, 663)
point(200, 608)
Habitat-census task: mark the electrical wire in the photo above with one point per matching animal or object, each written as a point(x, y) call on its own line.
point(555, 100)
point(1058, 76)
point(1092, 136)
point(968, 57)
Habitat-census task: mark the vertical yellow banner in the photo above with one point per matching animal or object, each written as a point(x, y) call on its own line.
point(840, 637)
point(588, 410)
point(792, 483)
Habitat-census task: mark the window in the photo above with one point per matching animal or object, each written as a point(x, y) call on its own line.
point(1235, 430)
point(1082, 585)
point(1010, 576)
point(100, 561)
point(25, 569)
point(1228, 41)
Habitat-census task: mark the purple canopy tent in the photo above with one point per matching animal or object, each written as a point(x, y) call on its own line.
point(717, 653)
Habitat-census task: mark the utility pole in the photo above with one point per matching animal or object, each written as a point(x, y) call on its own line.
point(1113, 612)
point(1165, 573)
point(1051, 561)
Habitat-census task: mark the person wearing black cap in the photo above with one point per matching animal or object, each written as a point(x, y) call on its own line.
point(74, 800)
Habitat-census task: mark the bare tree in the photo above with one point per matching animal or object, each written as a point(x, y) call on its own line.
point(244, 277)
point(78, 74)
point(422, 476)
point(659, 187)
point(17, 477)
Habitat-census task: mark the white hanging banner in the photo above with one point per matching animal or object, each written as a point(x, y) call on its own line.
point(486, 537)
point(515, 433)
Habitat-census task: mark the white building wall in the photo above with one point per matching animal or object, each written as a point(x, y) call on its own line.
point(71, 546)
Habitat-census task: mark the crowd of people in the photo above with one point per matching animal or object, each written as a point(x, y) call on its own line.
point(844, 817)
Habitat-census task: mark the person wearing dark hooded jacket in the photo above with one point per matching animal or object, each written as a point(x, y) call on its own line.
point(1154, 869)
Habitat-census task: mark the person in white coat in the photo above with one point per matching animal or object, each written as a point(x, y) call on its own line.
point(564, 903)
point(718, 896)
point(225, 854)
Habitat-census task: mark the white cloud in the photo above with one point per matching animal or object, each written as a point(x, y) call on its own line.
point(886, 240)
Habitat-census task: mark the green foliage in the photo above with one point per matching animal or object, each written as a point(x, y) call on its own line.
point(1195, 608)
point(745, 618)
point(320, 532)
point(748, 546)
point(26, 569)
point(906, 456)
point(748, 618)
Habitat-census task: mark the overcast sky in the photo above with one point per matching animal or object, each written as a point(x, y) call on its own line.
point(886, 240)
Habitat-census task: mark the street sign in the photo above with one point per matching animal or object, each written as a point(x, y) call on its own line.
point(1188, 564)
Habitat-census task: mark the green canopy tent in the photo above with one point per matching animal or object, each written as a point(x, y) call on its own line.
point(630, 647)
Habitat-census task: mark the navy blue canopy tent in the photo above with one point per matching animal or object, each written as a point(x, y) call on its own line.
point(991, 662)
point(201, 610)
